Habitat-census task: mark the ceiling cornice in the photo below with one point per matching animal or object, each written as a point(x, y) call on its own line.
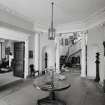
point(14, 13)
point(70, 27)
point(95, 19)
point(14, 27)
point(88, 23)
point(91, 21)
point(40, 28)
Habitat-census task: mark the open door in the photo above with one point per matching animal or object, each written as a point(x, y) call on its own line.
point(19, 54)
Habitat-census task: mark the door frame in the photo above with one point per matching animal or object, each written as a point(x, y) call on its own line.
point(17, 35)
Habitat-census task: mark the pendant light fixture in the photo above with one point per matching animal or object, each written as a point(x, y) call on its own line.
point(51, 30)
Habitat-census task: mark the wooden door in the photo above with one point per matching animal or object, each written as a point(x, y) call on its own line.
point(19, 52)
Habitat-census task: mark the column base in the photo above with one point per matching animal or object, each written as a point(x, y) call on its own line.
point(83, 76)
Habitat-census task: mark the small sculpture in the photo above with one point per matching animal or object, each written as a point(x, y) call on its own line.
point(97, 67)
point(104, 47)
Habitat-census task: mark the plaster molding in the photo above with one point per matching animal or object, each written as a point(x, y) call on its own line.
point(40, 30)
point(39, 27)
point(14, 13)
point(13, 35)
point(90, 22)
point(6, 24)
point(16, 28)
point(70, 27)
point(98, 18)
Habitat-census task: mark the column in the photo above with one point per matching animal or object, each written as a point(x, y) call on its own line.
point(37, 50)
point(83, 54)
point(26, 59)
point(57, 55)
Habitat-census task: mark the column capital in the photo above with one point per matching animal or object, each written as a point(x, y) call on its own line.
point(39, 32)
point(83, 32)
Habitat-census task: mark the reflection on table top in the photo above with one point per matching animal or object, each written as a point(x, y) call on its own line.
point(45, 84)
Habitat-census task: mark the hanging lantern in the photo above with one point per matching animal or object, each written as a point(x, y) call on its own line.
point(51, 30)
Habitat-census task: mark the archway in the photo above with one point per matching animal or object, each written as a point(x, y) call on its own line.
point(48, 57)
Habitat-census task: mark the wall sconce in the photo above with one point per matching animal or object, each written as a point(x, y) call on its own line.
point(104, 47)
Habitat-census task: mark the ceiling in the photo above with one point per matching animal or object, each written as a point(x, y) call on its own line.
point(65, 11)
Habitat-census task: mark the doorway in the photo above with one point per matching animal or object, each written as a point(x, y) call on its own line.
point(19, 54)
point(12, 54)
point(46, 59)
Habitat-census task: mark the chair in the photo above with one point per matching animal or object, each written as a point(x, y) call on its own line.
point(33, 71)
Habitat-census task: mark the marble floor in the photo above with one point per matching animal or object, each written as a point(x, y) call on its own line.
point(6, 78)
point(81, 92)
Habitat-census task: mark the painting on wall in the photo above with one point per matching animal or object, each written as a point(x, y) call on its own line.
point(66, 42)
point(30, 54)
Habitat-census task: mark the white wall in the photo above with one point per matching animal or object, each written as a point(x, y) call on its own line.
point(31, 47)
point(96, 36)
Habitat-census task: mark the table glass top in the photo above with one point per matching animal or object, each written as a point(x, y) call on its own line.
point(45, 83)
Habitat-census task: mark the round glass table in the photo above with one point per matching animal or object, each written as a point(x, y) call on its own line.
point(52, 88)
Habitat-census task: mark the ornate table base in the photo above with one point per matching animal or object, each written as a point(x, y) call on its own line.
point(51, 99)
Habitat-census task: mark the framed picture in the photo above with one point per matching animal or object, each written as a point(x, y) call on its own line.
point(30, 54)
point(66, 42)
